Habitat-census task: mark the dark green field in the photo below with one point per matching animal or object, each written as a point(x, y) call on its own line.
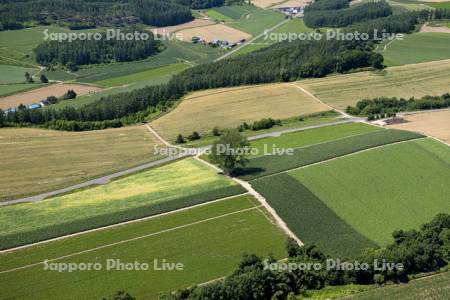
point(309, 218)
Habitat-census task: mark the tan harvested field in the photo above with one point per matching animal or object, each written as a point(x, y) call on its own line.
point(37, 95)
point(427, 28)
point(266, 3)
point(340, 91)
point(202, 111)
point(213, 32)
point(293, 3)
point(436, 124)
point(35, 160)
point(193, 24)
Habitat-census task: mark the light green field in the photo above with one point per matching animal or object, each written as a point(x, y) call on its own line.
point(56, 159)
point(312, 136)
point(434, 287)
point(418, 80)
point(9, 89)
point(208, 240)
point(14, 74)
point(215, 15)
point(17, 45)
point(440, 4)
point(382, 190)
point(258, 21)
point(150, 77)
point(416, 48)
point(186, 177)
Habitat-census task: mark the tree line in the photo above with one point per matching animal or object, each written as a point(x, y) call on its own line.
point(277, 63)
point(94, 51)
point(329, 13)
point(79, 14)
point(388, 106)
point(424, 250)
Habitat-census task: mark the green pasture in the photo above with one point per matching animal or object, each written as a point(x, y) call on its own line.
point(208, 241)
point(14, 74)
point(216, 15)
point(382, 190)
point(416, 48)
point(150, 77)
point(258, 21)
point(9, 89)
point(445, 5)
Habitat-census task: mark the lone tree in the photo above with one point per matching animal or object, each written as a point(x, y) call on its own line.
point(44, 79)
point(230, 151)
point(28, 77)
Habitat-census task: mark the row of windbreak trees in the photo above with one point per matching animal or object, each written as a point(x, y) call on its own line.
point(331, 13)
point(280, 62)
point(79, 14)
point(95, 51)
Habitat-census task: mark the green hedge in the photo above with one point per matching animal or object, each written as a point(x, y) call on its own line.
point(57, 230)
point(309, 218)
point(266, 165)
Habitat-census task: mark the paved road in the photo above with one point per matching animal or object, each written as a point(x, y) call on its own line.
point(98, 181)
point(181, 154)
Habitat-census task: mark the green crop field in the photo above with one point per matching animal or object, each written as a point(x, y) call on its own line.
point(430, 78)
point(440, 4)
point(150, 77)
point(312, 136)
point(235, 12)
point(434, 287)
point(16, 46)
point(9, 89)
point(416, 48)
point(268, 165)
point(14, 74)
point(258, 21)
point(309, 218)
point(216, 15)
point(208, 240)
point(55, 159)
point(382, 190)
point(138, 195)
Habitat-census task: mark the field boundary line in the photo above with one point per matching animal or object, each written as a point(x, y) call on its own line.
point(132, 239)
point(320, 101)
point(247, 186)
point(119, 224)
point(339, 157)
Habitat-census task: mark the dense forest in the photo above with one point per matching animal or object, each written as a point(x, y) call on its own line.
point(331, 13)
point(92, 51)
point(282, 62)
point(425, 250)
point(78, 14)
